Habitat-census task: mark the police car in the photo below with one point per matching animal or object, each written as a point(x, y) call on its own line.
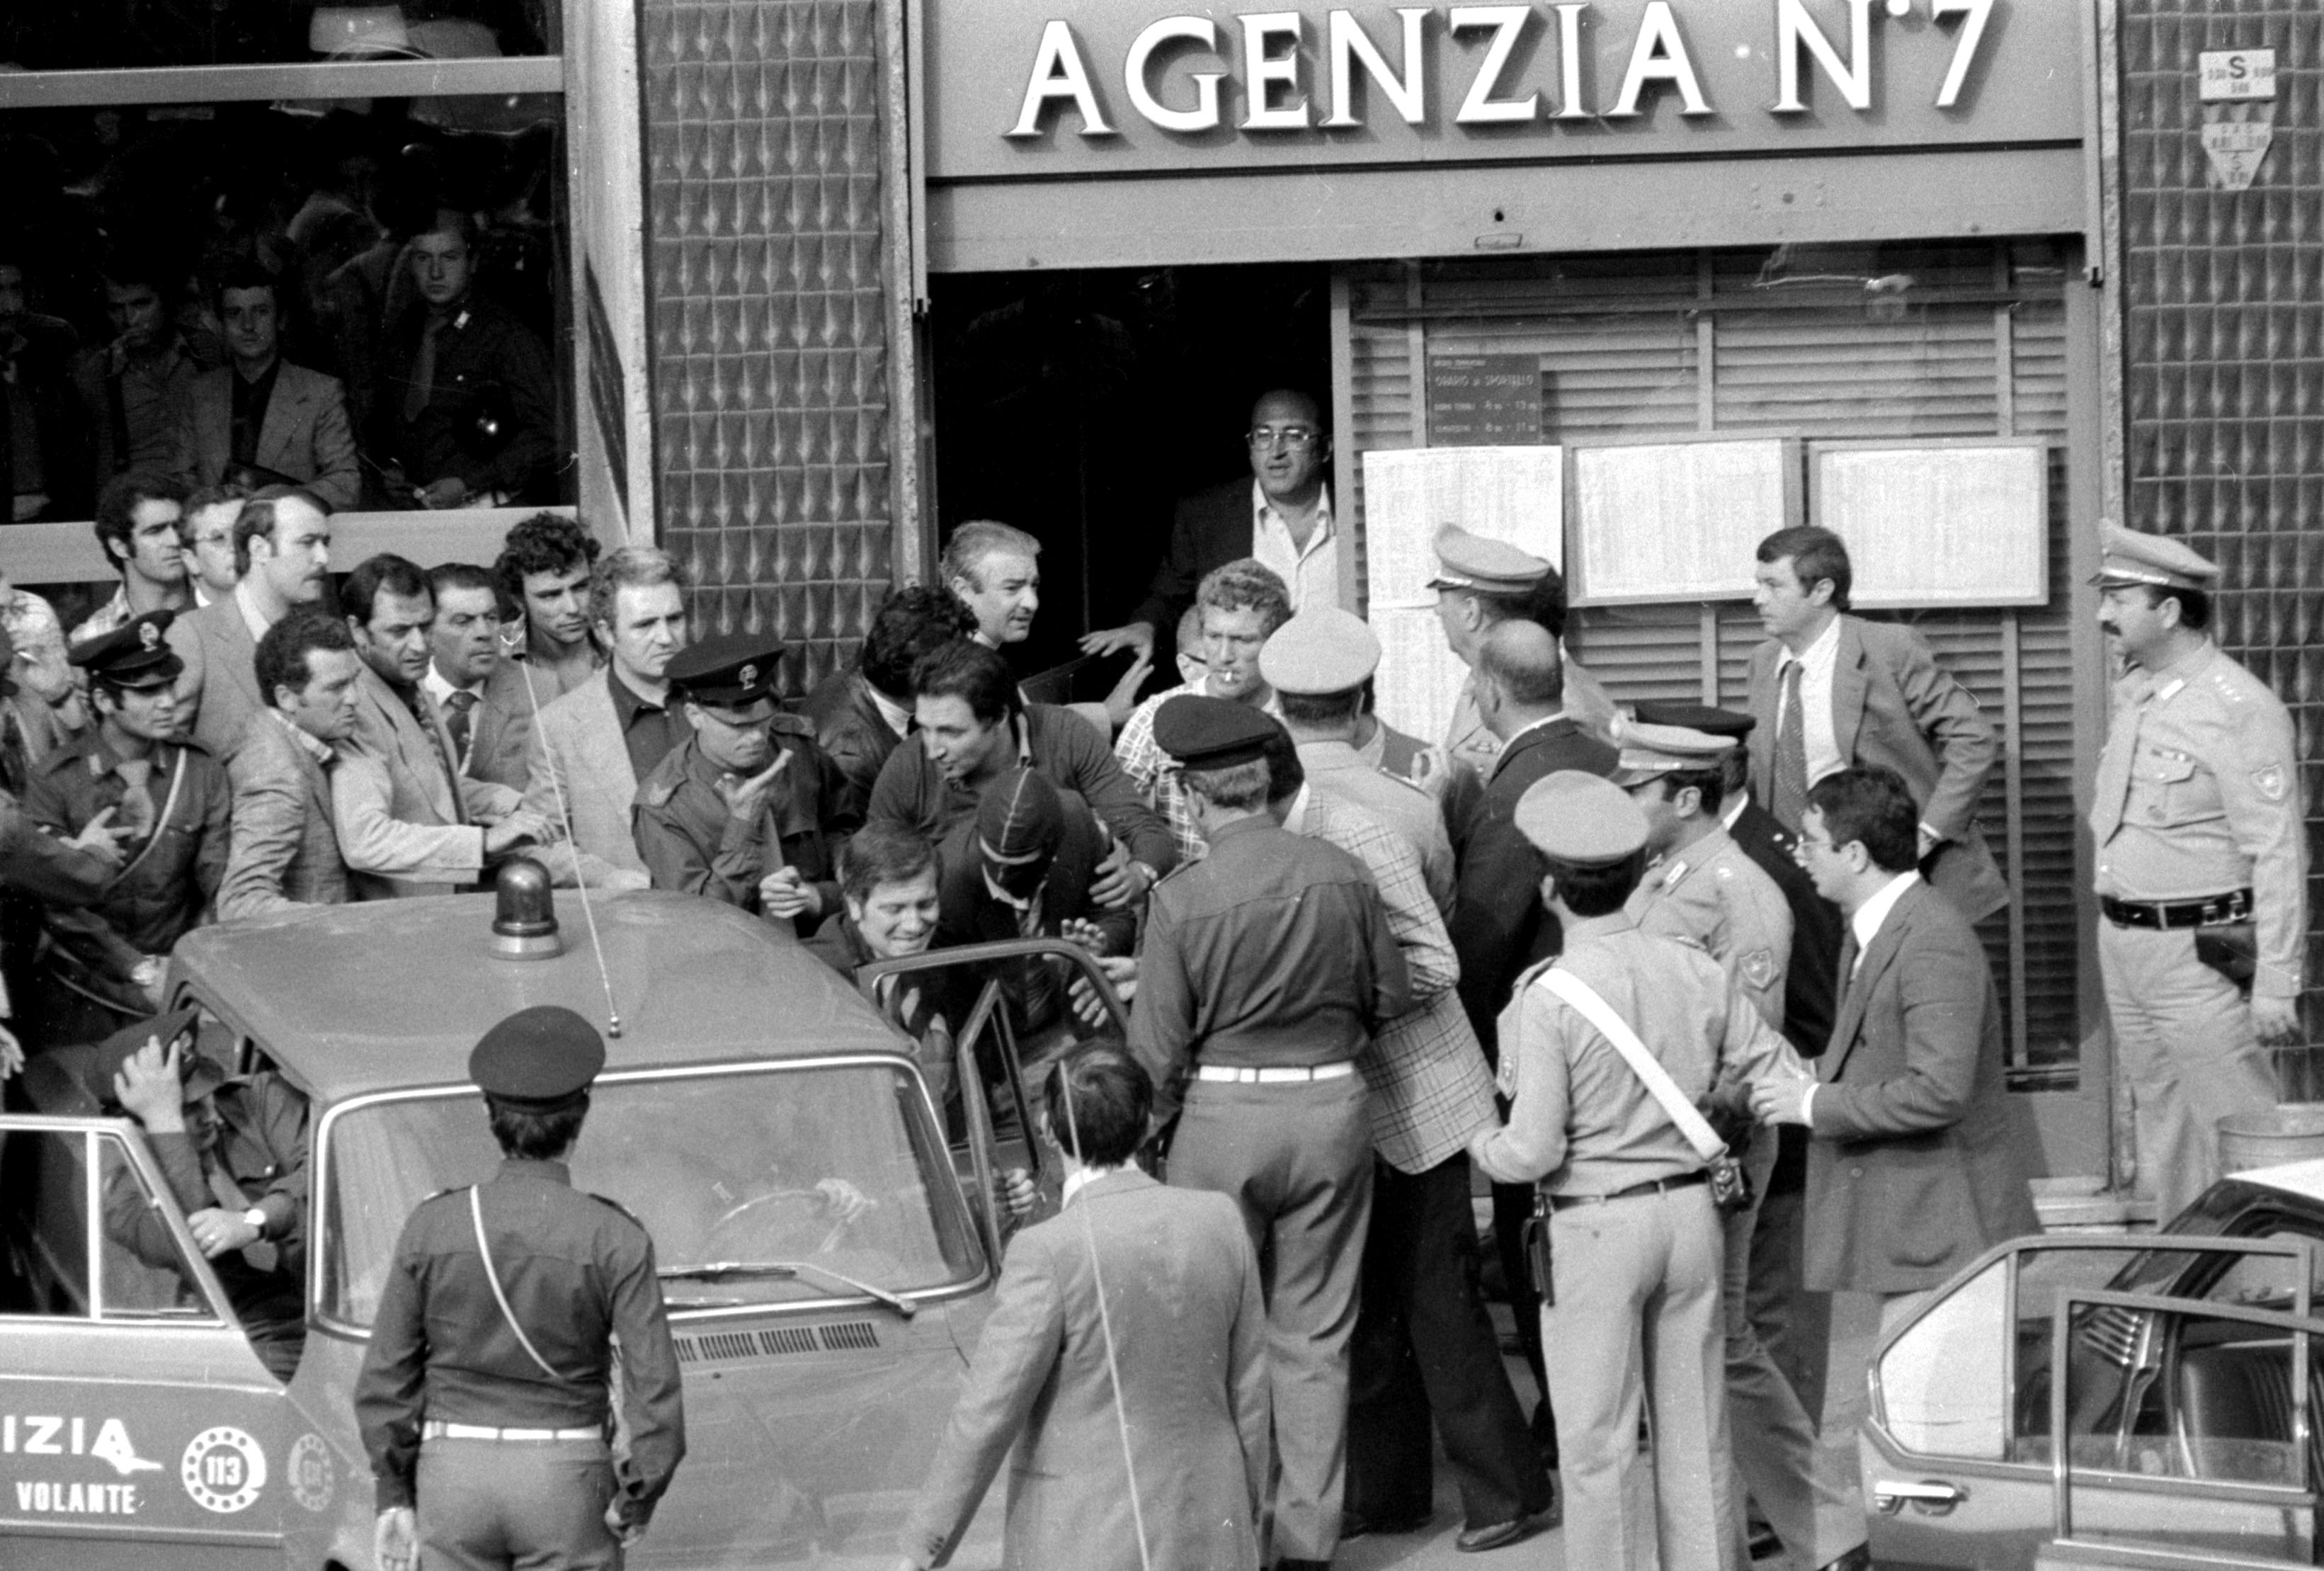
point(828, 1252)
point(2114, 1401)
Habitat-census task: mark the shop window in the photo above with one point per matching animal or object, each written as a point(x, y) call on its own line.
point(114, 34)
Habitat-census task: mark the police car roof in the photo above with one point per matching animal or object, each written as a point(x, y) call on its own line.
point(384, 995)
point(2303, 1178)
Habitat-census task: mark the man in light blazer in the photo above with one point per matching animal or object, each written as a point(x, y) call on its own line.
point(1870, 693)
point(282, 550)
point(1181, 1347)
point(595, 744)
point(407, 824)
point(259, 410)
point(1914, 1165)
point(285, 848)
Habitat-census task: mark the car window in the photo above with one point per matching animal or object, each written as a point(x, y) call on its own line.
point(833, 1166)
point(141, 1270)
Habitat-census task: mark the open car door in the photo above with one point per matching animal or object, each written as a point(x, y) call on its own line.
point(988, 1020)
point(1959, 1458)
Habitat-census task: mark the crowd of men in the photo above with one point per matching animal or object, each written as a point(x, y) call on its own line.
point(1697, 991)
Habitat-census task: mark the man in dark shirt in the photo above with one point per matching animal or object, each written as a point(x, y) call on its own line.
point(233, 1152)
point(860, 714)
point(973, 727)
point(131, 387)
point(45, 464)
point(500, 1312)
point(1268, 966)
point(464, 406)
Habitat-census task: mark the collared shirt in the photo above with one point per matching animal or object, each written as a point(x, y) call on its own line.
point(649, 730)
point(1509, 744)
point(145, 390)
point(1274, 953)
point(1731, 807)
point(1312, 571)
point(1581, 1121)
point(110, 617)
point(1816, 663)
point(899, 719)
point(251, 395)
point(1864, 923)
point(251, 616)
point(1081, 1178)
point(439, 687)
point(314, 746)
point(1154, 775)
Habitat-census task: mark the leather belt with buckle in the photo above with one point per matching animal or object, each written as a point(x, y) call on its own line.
point(1227, 1073)
point(2214, 910)
point(1651, 1187)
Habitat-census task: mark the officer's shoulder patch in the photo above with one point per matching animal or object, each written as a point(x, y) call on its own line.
point(616, 1204)
point(2224, 680)
point(2271, 783)
point(1724, 870)
point(1756, 967)
point(658, 792)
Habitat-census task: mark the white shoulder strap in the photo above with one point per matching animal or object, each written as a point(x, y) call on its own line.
point(1589, 1007)
point(493, 1275)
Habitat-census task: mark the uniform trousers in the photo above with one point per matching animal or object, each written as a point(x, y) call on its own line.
point(1775, 1436)
point(498, 1505)
point(1637, 1328)
point(1297, 1159)
point(2184, 1035)
point(1423, 1345)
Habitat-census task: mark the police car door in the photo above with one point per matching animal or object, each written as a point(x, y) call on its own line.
point(1959, 1460)
point(1007, 1027)
point(136, 1425)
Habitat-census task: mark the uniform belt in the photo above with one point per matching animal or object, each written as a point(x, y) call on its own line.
point(1651, 1187)
point(440, 1429)
point(1224, 1072)
point(2208, 912)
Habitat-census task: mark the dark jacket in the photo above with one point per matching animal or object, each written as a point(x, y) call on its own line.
point(169, 881)
point(690, 842)
point(42, 354)
point(850, 730)
point(1210, 528)
point(488, 368)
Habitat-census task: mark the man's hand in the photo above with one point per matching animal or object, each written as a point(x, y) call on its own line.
point(1137, 635)
point(842, 1201)
point(1120, 702)
point(1432, 772)
point(218, 1232)
point(395, 1540)
point(522, 824)
point(101, 839)
point(1018, 1192)
point(1083, 931)
point(745, 800)
point(447, 492)
point(1121, 971)
point(1120, 881)
point(2276, 1021)
point(1781, 1099)
point(785, 893)
point(151, 1089)
point(12, 1053)
point(618, 1523)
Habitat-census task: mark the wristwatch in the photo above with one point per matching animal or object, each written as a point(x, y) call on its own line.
point(255, 1217)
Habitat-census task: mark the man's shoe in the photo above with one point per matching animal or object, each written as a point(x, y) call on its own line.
point(1496, 1535)
point(1352, 1526)
point(1859, 1559)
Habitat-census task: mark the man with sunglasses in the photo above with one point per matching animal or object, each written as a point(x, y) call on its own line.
point(747, 809)
point(1283, 517)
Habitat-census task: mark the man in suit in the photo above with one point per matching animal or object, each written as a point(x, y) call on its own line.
point(1829, 690)
point(1282, 515)
point(45, 467)
point(261, 412)
point(285, 846)
point(1912, 1169)
point(487, 710)
point(1499, 925)
point(282, 550)
point(407, 824)
point(861, 714)
point(1150, 1409)
point(596, 742)
point(138, 515)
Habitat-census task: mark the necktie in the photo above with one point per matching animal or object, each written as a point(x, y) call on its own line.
point(432, 726)
point(422, 385)
point(460, 722)
point(136, 795)
point(1789, 796)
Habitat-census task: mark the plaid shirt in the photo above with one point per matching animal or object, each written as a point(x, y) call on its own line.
point(1149, 769)
point(1430, 1088)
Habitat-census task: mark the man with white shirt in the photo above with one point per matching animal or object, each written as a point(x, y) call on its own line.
point(481, 691)
point(1913, 1170)
point(1829, 690)
point(206, 540)
point(1282, 516)
point(283, 553)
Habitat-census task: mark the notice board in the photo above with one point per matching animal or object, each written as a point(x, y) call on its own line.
point(1483, 400)
point(1963, 522)
point(1676, 521)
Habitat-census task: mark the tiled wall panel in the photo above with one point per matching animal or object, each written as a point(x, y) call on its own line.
point(770, 385)
point(2224, 372)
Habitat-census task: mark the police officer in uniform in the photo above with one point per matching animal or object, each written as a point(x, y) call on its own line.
point(748, 809)
point(172, 800)
point(484, 1396)
point(2202, 865)
point(1634, 1310)
point(1703, 888)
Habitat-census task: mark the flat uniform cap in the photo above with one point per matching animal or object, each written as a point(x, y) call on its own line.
point(734, 668)
point(201, 1076)
point(1650, 751)
point(1323, 649)
point(1205, 732)
point(2129, 556)
point(133, 655)
point(1580, 819)
point(1491, 567)
point(1698, 717)
point(538, 1059)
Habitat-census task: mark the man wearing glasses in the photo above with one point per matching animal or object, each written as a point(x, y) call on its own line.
point(1283, 518)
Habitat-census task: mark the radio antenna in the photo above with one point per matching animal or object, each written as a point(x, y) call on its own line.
point(564, 819)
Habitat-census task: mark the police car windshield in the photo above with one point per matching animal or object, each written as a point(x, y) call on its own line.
point(830, 1166)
